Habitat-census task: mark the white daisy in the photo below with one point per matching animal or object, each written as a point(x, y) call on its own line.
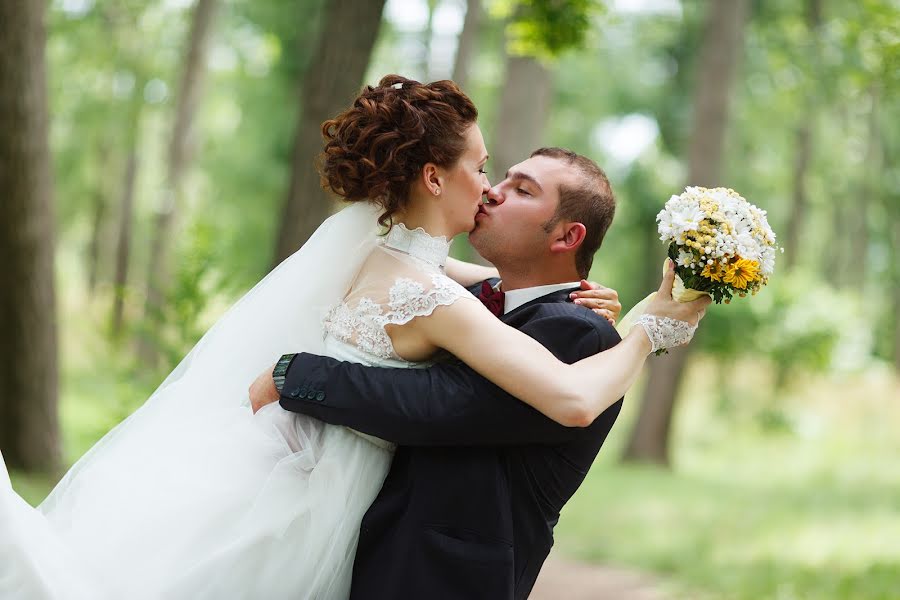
point(685, 258)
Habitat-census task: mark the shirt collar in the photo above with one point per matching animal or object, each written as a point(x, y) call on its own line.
point(513, 299)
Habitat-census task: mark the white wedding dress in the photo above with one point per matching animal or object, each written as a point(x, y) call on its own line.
point(194, 497)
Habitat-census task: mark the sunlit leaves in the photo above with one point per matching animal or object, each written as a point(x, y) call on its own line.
point(546, 28)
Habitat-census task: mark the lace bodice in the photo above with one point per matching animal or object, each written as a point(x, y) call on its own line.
point(402, 279)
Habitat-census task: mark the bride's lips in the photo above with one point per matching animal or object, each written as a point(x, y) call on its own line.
point(481, 212)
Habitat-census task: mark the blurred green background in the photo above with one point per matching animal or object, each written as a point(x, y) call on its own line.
point(756, 465)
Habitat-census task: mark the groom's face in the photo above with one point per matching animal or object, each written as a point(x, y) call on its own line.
point(510, 225)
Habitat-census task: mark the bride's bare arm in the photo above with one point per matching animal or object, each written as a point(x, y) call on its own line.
point(572, 395)
point(468, 274)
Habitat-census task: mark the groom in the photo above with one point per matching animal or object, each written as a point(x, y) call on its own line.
point(479, 478)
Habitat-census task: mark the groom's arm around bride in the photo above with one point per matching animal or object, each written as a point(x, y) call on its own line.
point(449, 403)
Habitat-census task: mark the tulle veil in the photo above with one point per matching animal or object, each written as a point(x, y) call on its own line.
point(282, 313)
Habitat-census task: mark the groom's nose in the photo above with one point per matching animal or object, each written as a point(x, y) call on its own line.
point(494, 196)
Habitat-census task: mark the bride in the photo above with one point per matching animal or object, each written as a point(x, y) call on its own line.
point(193, 496)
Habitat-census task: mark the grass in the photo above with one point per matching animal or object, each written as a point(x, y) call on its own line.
point(810, 510)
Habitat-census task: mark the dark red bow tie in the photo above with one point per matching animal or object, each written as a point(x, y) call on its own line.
point(493, 299)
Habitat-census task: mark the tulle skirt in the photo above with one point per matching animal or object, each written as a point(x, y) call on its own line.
point(218, 505)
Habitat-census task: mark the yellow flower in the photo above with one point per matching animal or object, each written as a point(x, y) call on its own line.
point(708, 205)
point(741, 272)
point(712, 272)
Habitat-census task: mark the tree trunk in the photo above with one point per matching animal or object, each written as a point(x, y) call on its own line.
point(858, 232)
point(718, 60)
point(522, 115)
point(29, 431)
point(427, 36)
point(99, 244)
point(803, 147)
point(896, 303)
point(802, 153)
point(834, 258)
point(123, 245)
point(892, 238)
point(334, 76)
point(894, 233)
point(94, 245)
point(180, 147)
point(467, 44)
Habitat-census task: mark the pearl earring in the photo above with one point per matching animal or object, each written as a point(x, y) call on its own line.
point(437, 191)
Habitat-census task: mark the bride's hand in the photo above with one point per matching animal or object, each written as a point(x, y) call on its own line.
point(602, 300)
point(263, 391)
point(670, 323)
point(663, 305)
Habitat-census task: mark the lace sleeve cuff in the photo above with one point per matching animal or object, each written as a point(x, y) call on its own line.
point(665, 332)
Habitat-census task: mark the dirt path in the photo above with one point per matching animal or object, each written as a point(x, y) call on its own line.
point(563, 579)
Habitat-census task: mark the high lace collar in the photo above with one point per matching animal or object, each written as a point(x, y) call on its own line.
point(418, 243)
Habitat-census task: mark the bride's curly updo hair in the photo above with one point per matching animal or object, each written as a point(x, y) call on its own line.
point(376, 148)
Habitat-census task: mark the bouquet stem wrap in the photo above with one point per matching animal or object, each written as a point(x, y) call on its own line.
point(679, 293)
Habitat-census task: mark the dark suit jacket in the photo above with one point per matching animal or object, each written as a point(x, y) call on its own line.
point(478, 480)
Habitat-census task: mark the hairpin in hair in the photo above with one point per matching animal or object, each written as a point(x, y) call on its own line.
point(398, 85)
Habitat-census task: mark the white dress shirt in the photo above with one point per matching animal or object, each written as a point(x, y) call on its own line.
point(513, 299)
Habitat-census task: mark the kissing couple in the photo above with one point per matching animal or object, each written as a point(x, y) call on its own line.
point(427, 419)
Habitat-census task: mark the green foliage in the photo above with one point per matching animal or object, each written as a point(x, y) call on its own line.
point(769, 497)
point(793, 322)
point(754, 511)
point(196, 284)
point(32, 487)
point(97, 78)
point(546, 28)
point(247, 129)
point(694, 281)
point(641, 64)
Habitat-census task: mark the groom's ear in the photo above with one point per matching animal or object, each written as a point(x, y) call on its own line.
point(568, 237)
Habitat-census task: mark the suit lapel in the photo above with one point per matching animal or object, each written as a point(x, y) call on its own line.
point(552, 297)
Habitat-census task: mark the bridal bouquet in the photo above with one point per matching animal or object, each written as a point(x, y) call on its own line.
point(721, 244)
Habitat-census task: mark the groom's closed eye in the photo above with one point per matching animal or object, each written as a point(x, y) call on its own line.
point(520, 177)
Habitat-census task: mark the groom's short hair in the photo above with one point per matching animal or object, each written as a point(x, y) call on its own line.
point(591, 202)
